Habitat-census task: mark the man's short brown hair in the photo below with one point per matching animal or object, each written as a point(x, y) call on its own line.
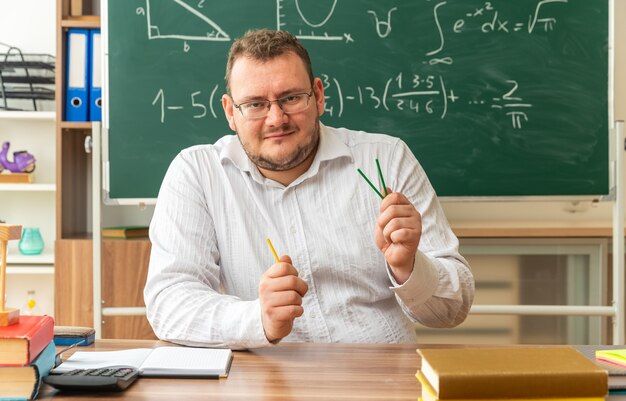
point(264, 45)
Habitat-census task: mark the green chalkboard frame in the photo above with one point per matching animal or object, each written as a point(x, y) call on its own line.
point(497, 99)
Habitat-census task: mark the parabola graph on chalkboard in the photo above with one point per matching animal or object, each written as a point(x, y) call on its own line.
point(496, 99)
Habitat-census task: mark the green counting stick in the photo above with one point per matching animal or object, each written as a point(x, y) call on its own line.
point(380, 174)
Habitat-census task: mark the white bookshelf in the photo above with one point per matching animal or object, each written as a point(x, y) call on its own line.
point(28, 115)
point(31, 205)
point(30, 270)
point(46, 258)
point(51, 187)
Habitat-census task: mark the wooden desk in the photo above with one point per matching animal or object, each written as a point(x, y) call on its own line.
point(285, 372)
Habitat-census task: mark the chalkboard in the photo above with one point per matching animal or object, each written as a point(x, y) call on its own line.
point(495, 98)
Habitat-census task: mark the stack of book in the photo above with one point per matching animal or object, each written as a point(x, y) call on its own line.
point(614, 364)
point(513, 373)
point(27, 354)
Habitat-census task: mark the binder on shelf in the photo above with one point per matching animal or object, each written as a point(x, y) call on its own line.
point(95, 87)
point(77, 78)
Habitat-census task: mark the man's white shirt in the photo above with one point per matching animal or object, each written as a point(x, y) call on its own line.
point(215, 211)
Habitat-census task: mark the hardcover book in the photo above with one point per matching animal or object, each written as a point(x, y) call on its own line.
point(429, 394)
point(125, 232)
point(69, 335)
point(23, 382)
point(20, 343)
point(16, 178)
point(512, 372)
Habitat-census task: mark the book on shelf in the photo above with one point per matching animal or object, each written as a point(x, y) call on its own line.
point(15, 178)
point(125, 232)
point(20, 343)
point(80, 8)
point(23, 382)
point(617, 374)
point(162, 361)
point(512, 372)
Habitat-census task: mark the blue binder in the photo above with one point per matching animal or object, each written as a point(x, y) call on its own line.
point(77, 75)
point(95, 87)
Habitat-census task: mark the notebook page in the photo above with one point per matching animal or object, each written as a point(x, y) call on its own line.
point(87, 360)
point(187, 361)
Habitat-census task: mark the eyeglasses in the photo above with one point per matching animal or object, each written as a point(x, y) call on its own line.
point(290, 104)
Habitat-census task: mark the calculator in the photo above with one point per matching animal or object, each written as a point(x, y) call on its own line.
point(111, 378)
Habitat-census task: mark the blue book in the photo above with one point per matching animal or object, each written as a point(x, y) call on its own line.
point(83, 339)
point(23, 382)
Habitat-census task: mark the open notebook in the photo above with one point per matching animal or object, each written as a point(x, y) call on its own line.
point(162, 361)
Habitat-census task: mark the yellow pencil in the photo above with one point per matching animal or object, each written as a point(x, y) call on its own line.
point(273, 250)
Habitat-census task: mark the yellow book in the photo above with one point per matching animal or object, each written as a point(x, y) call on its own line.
point(512, 372)
point(429, 394)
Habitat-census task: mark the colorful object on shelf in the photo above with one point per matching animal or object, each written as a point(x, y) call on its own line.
point(31, 303)
point(23, 162)
point(31, 242)
point(8, 316)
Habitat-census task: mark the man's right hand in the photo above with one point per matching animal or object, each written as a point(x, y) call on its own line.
point(280, 293)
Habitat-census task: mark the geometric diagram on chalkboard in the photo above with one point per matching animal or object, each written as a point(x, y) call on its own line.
point(312, 14)
point(176, 19)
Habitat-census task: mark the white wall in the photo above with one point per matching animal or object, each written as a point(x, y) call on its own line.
point(28, 25)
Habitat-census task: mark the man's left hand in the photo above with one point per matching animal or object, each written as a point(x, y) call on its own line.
point(397, 234)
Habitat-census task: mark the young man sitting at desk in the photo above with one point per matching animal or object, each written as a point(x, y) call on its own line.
point(359, 269)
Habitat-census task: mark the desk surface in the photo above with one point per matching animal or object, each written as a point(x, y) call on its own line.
point(284, 372)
